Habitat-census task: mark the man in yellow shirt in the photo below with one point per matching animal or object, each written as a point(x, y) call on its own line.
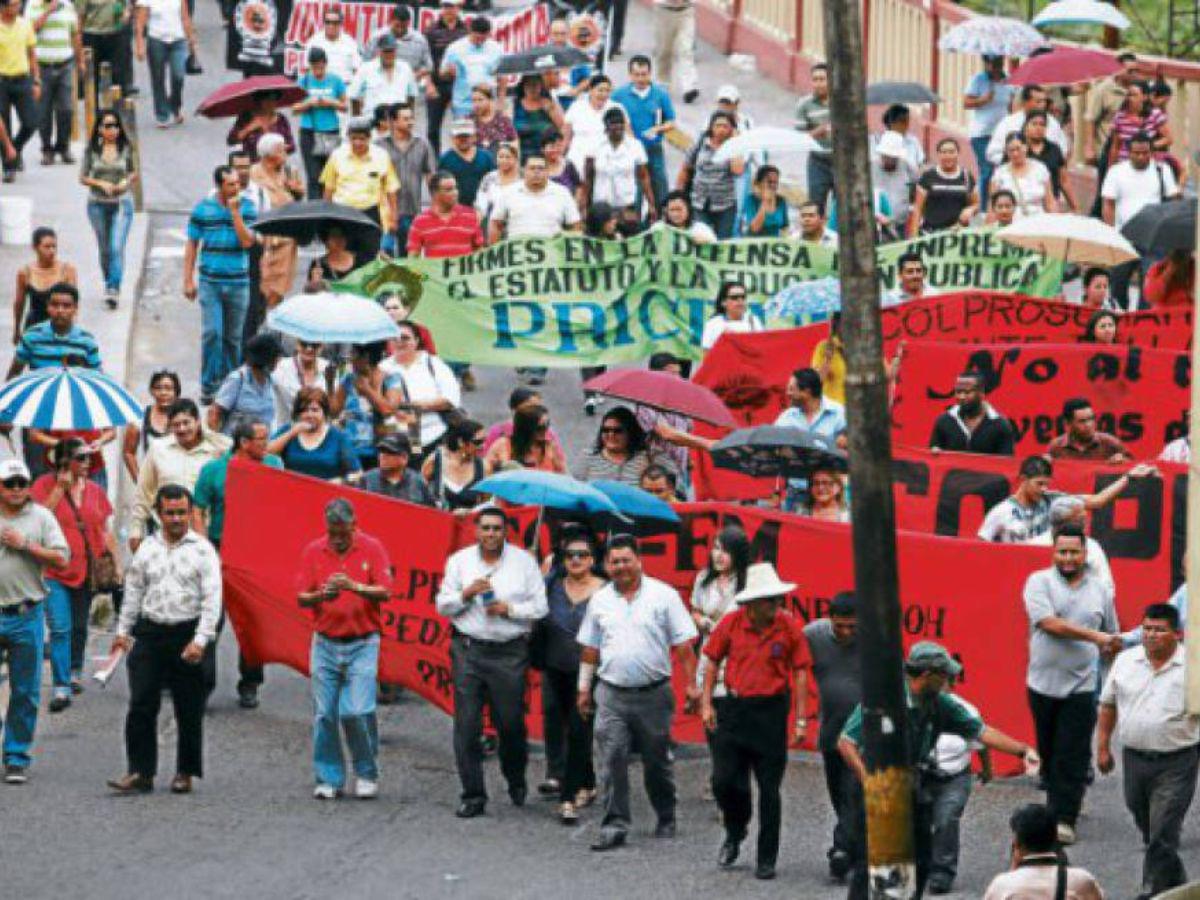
point(360, 174)
point(20, 79)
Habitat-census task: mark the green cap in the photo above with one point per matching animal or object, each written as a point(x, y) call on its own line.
point(931, 656)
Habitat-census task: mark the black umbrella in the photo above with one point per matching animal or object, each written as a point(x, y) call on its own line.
point(883, 93)
point(1162, 227)
point(776, 450)
point(541, 59)
point(306, 220)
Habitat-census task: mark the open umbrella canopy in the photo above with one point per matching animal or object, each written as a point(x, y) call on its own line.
point(328, 318)
point(883, 93)
point(776, 450)
point(1162, 227)
point(549, 490)
point(1081, 12)
point(1065, 65)
point(807, 301)
point(304, 221)
point(663, 391)
point(634, 503)
point(768, 139)
point(541, 59)
point(64, 399)
point(238, 96)
point(992, 36)
point(1071, 238)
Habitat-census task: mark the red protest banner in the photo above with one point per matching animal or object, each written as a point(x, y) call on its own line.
point(272, 515)
point(1141, 396)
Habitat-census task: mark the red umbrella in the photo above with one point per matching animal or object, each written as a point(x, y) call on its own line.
point(1065, 65)
point(237, 97)
point(663, 391)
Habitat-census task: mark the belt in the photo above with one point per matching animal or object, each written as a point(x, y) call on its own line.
point(469, 641)
point(639, 689)
point(56, 65)
point(17, 609)
point(757, 698)
point(24, 77)
point(346, 638)
point(1154, 755)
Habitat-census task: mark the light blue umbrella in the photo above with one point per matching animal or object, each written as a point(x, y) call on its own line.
point(549, 490)
point(649, 514)
point(67, 399)
point(807, 301)
point(329, 318)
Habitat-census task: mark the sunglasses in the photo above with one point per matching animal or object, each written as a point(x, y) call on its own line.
point(478, 442)
point(578, 554)
point(735, 296)
point(305, 345)
point(15, 484)
point(81, 457)
point(612, 430)
point(109, 125)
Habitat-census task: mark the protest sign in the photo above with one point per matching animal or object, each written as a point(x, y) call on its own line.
point(271, 628)
point(515, 30)
point(1140, 396)
point(254, 38)
point(973, 258)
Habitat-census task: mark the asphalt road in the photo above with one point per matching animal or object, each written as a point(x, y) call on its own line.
point(252, 827)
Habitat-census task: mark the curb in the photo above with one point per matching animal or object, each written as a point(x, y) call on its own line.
point(137, 251)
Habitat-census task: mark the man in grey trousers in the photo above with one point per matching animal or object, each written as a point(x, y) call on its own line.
point(632, 626)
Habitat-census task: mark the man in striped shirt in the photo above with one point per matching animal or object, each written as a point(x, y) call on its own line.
point(59, 44)
point(58, 341)
point(219, 235)
point(446, 228)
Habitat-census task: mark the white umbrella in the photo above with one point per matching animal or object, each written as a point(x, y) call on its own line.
point(992, 36)
point(1071, 238)
point(329, 318)
point(768, 139)
point(1081, 12)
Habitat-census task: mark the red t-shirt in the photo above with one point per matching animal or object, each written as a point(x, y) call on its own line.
point(433, 237)
point(759, 663)
point(95, 511)
point(1157, 292)
point(366, 562)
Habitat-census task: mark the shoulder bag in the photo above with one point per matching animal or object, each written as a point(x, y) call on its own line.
point(101, 568)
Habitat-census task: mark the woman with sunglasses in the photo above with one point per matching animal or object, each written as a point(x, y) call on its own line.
point(427, 388)
point(366, 399)
point(45, 442)
point(35, 280)
point(619, 453)
point(85, 516)
point(529, 445)
point(312, 445)
point(732, 313)
point(826, 498)
point(453, 469)
point(109, 171)
point(165, 389)
point(303, 369)
point(573, 580)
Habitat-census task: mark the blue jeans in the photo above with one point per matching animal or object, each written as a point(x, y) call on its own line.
point(167, 58)
point(656, 164)
point(222, 315)
point(58, 615)
point(23, 633)
point(979, 145)
point(950, 797)
point(111, 222)
point(721, 221)
point(343, 686)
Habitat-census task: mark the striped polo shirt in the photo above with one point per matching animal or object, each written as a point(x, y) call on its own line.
point(54, 40)
point(433, 237)
point(42, 347)
point(222, 257)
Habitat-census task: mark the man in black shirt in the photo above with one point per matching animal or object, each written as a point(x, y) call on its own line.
point(972, 425)
point(394, 478)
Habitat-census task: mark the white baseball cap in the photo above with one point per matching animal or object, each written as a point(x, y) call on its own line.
point(728, 93)
point(13, 468)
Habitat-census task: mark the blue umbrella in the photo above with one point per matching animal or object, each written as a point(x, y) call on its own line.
point(66, 399)
point(635, 503)
point(807, 301)
point(548, 490)
point(329, 318)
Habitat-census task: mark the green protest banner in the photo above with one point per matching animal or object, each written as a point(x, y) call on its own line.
point(573, 301)
point(974, 259)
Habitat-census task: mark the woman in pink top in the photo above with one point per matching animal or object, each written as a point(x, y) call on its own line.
point(529, 446)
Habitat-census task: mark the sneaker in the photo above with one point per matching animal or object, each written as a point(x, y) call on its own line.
point(549, 788)
point(365, 789)
point(691, 96)
point(111, 296)
point(248, 698)
point(568, 814)
point(15, 775)
point(59, 702)
point(67, 157)
point(589, 406)
point(326, 792)
point(1066, 834)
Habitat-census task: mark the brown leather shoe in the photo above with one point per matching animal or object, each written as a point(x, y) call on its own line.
point(181, 784)
point(132, 784)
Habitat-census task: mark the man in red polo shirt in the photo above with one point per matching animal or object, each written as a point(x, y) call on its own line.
point(765, 654)
point(343, 577)
point(446, 228)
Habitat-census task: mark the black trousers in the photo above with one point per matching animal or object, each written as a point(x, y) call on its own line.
point(256, 312)
point(1064, 742)
point(108, 48)
point(156, 662)
point(568, 735)
point(493, 674)
point(368, 246)
point(56, 106)
point(1158, 791)
point(617, 9)
point(249, 676)
point(17, 94)
point(435, 108)
point(313, 165)
point(751, 739)
point(840, 784)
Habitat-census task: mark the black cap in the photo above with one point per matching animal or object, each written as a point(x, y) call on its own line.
point(316, 55)
point(395, 443)
point(402, 12)
point(481, 25)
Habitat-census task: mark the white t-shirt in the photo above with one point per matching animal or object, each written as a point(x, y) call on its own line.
point(166, 20)
point(1030, 189)
point(616, 170)
point(544, 213)
point(587, 128)
point(344, 58)
point(426, 378)
point(286, 377)
point(718, 325)
point(1134, 188)
point(1016, 122)
point(374, 88)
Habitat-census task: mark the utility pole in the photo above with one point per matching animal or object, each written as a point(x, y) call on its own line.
point(1191, 627)
point(889, 787)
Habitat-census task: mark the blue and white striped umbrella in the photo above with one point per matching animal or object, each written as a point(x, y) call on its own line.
point(66, 399)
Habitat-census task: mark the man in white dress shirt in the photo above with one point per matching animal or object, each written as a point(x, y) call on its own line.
point(631, 629)
point(492, 593)
point(341, 49)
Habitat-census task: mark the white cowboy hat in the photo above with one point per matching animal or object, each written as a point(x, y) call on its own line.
point(763, 582)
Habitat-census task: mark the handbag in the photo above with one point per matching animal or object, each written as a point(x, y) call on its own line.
point(101, 569)
point(325, 142)
point(192, 66)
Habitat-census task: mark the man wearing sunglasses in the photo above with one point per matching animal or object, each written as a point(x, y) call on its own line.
point(31, 541)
